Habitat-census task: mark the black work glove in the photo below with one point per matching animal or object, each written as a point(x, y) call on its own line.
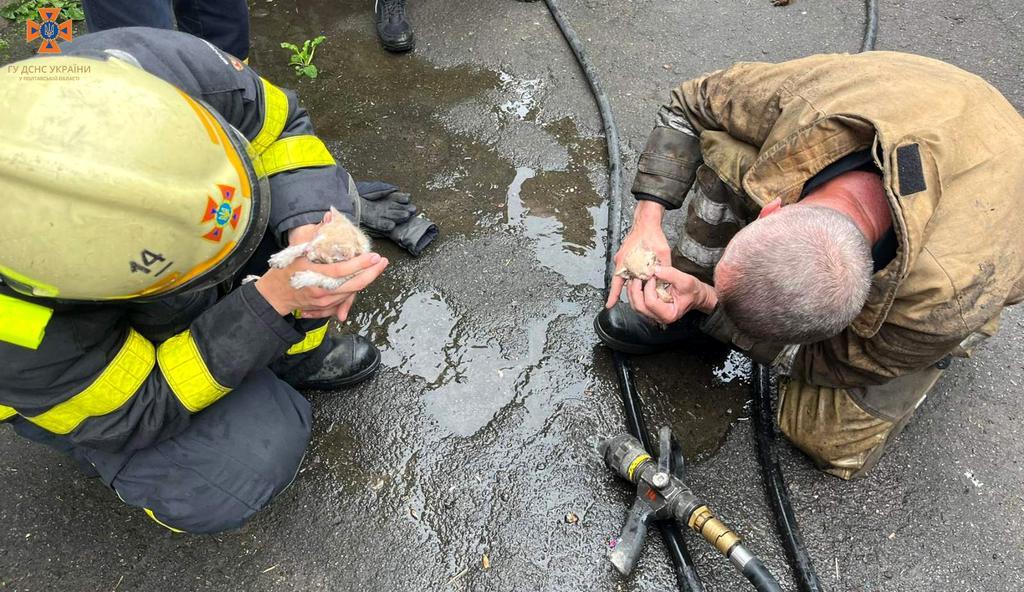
point(383, 206)
point(414, 235)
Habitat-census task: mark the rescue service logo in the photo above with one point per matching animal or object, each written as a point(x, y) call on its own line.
point(49, 30)
point(221, 213)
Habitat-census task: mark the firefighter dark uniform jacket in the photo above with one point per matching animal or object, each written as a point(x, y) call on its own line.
point(948, 147)
point(122, 376)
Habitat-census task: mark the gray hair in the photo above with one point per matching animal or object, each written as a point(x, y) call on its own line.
point(797, 276)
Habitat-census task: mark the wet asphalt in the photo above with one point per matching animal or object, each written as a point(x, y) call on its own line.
point(477, 438)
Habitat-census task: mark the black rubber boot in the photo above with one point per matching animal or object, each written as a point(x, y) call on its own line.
point(393, 26)
point(352, 360)
point(623, 329)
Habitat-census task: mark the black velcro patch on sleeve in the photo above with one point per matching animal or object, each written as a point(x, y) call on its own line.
point(908, 164)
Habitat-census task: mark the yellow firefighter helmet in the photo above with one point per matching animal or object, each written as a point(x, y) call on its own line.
point(115, 184)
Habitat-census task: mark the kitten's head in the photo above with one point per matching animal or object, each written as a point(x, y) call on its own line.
point(337, 239)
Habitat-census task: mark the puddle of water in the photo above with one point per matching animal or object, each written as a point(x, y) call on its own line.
point(483, 380)
point(513, 199)
point(417, 339)
point(700, 406)
point(469, 377)
point(449, 136)
point(523, 94)
point(735, 368)
point(579, 264)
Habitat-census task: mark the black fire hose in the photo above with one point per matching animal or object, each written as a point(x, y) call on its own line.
point(870, 26)
point(686, 573)
point(764, 427)
point(775, 484)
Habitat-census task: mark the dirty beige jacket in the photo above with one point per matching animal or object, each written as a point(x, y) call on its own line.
point(951, 149)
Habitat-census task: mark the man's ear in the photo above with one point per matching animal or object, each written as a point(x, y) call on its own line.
point(770, 208)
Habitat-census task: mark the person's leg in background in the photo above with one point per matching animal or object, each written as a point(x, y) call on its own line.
point(235, 457)
point(224, 23)
point(101, 15)
point(393, 26)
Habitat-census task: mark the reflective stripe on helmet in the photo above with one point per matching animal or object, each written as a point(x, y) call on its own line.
point(114, 387)
point(295, 152)
point(275, 116)
point(312, 341)
point(23, 323)
point(26, 285)
point(187, 374)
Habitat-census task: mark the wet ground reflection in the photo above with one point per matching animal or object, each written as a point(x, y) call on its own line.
point(478, 435)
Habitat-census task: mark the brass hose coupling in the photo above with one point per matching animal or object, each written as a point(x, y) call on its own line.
point(661, 495)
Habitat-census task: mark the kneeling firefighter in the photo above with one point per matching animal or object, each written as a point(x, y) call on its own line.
point(137, 171)
point(854, 222)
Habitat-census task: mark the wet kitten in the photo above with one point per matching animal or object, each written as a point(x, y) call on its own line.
point(639, 264)
point(337, 239)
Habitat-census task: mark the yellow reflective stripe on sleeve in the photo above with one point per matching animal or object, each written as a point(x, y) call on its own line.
point(296, 152)
point(118, 382)
point(23, 323)
point(275, 116)
point(183, 367)
point(312, 341)
point(160, 522)
point(7, 412)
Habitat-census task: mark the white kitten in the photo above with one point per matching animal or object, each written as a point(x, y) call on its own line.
point(337, 239)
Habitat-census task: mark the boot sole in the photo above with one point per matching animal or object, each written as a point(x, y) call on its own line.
point(348, 381)
point(625, 346)
point(399, 47)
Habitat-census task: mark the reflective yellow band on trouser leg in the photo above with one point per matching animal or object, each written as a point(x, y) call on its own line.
point(275, 116)
point(295, 152)
point(7, 412)
point(187, 374)
point(23, 323)
point(312, 341)
point(153, 516)
point(118, 382)
point(161, 522)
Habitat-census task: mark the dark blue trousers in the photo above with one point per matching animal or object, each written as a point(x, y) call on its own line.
point(224, 23)
point(232, 460)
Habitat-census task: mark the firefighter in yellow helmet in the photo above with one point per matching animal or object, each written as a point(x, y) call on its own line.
point(142, 173)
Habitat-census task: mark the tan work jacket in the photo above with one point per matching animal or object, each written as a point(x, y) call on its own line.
point(951, 151)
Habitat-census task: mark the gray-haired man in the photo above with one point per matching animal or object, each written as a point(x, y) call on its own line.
point(855, 222)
